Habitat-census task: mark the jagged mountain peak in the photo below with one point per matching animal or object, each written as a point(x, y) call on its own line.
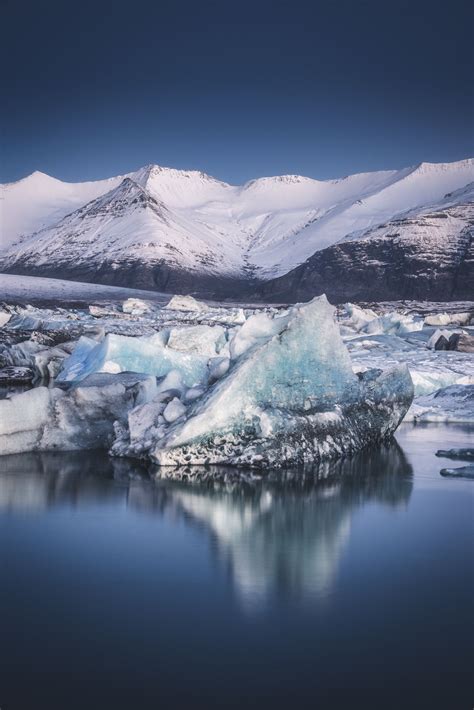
point(158, 218)
point(148, 173)
point(129, 195)
point(35, 178)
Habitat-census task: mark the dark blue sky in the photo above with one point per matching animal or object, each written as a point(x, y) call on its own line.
point(238, 89)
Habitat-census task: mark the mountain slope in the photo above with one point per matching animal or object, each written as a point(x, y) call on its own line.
point(184, 230)
point(39, 201)
point(427, 254)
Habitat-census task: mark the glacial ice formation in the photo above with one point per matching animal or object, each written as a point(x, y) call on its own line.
point(448, 404)
point(289, 397)
point(44, 419)
point(430, 370)
point(184, 350)
point(4, 318)
point(441, 319)
point(136, 306)
point(228, 384)
point(365, 320)
point(185, 303)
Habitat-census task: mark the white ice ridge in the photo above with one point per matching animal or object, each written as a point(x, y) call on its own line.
point(286, 395)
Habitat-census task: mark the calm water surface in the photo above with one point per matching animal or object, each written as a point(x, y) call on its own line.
point(349, 586)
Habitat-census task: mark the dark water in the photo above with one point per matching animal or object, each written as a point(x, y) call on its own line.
point(351, 586)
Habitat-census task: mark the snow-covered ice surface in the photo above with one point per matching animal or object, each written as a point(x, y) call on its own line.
point(182, 382)
point(411, 343)
point(34, 290)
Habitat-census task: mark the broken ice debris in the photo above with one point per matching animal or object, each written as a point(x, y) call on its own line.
point(449, 404)
point(44, 419)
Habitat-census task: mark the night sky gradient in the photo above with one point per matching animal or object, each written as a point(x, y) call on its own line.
point(236, 89)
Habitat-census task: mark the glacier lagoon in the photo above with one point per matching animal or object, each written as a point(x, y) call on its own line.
point(348, 584)
point(128, 584)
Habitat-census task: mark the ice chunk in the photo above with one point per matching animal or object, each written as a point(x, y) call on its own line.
point(174, 410)
point(142, 419)
point(428, 381)
point(27, 411)
point(146, 354)
point(461, 454)
point(194, 393)
point(290, 397)
point(367, 321)
point(257, 329)
point(186, 303)
point(218, 367)
point(358, 317)
point(86, 358)
point(461, 472)
point(450, 404)
point(24, 321)
point(135, 306)
point(449, 319)
point(430, 370)
point(393, 323)
point(4, 318)
point(202, 339)
point(45, 419)
point(43, 361)
point(462, 342)
point(173, 382)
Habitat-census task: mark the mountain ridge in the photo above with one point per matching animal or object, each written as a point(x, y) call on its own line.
point(161, 227)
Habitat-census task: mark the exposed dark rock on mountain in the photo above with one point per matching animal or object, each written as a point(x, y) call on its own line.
point(430, 257)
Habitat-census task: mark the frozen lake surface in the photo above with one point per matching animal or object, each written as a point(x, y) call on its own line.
point(349, 586)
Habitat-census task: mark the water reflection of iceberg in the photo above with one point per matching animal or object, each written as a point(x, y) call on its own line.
point(282, 533)
point(285, 533)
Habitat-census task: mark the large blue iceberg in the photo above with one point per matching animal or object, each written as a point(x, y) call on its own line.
point(276, 390)
point(289, 397)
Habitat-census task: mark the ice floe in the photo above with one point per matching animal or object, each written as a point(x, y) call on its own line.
point(290, 397)
point(460, 472)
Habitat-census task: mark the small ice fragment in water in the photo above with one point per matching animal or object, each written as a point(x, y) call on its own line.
point(461, 454)
point(461, 472)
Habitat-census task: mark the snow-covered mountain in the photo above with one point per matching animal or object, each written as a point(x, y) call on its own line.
point(186, 231)
point(427, 253)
